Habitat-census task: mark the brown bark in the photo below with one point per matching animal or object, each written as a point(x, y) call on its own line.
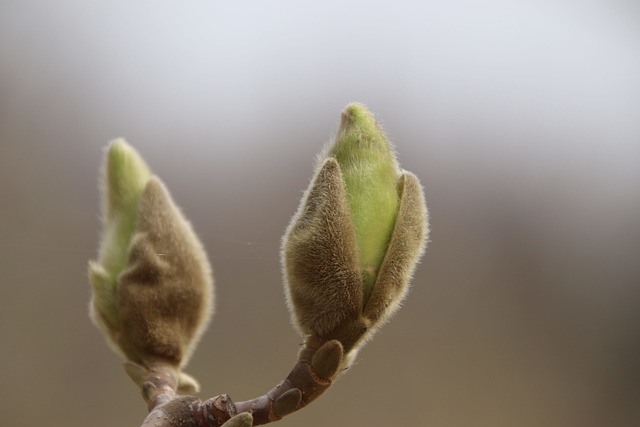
point(316, 369)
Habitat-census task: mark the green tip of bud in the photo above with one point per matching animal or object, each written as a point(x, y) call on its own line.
point(357, 117)
point(370, 172)
point(126, 175)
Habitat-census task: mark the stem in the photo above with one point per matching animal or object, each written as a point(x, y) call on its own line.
point(316, 369)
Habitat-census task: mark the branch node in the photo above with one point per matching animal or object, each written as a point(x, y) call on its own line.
point(218, 410)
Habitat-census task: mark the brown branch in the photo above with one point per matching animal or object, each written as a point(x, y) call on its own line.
point(317, 367)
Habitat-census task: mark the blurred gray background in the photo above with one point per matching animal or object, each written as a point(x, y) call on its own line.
point(521, 119)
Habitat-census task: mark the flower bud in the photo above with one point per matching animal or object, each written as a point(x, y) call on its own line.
point(152, 285)
point(370, 173)
point(351, 248)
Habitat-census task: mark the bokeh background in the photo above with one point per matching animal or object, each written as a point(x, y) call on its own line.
point(521, 119)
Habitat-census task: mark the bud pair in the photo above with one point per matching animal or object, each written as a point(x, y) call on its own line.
point(352, 246)
point(152, 285)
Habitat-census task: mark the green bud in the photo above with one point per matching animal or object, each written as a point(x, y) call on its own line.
point(124, 177)
point(370, 174)
point(352, 246)
point(152, 285)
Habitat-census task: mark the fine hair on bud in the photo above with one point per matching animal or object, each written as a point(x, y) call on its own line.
point(351, 248)
point(166, 292)
point(152, 283)
point(321, 267)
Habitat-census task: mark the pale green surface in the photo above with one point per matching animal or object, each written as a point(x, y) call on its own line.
point(370, 170)
point(126, 175)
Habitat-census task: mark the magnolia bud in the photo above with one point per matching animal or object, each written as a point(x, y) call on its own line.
point(152, 285)
point(351, 248)
point(370, 174)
